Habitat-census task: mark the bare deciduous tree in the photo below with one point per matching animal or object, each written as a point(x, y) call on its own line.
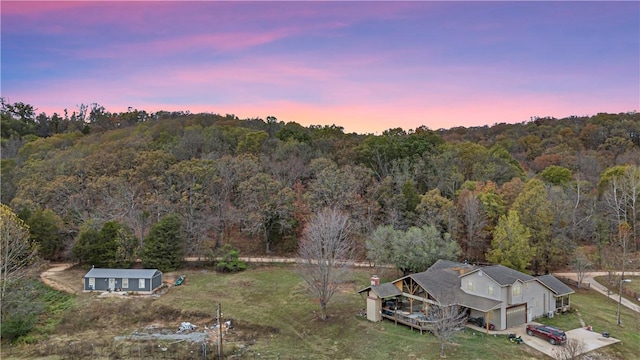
point(16, 251)
point(580, 264)
point(324, 252)
point(474, 220)
point(448, 319)
point(572, 350)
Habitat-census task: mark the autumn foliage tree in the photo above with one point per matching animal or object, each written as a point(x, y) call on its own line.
point(232, 180)
point(510, 246)
point(534, 211)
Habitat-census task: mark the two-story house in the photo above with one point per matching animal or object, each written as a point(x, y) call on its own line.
point(503, 296)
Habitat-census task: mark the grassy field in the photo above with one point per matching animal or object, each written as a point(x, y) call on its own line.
point(274, 318)
point(601, 313)
point(630, 288)
point(273, 299)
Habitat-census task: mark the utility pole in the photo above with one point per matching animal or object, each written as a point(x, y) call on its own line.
point(622, 281)
point(219, 318)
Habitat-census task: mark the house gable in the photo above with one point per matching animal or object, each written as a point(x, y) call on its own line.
point(556, 286)
point(479, 284)
point(515, 292)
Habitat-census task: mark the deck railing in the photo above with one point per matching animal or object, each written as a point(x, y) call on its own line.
point(415, 320)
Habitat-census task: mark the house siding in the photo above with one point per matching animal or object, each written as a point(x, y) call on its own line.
point(513, 296)
point(534, 294)
point(481, 284)
point(103, 283)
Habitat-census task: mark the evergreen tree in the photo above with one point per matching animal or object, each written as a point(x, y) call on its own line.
point(163, 246)
point(86, 247)
point(112, 246)
point(118, 243)
point(44, 226)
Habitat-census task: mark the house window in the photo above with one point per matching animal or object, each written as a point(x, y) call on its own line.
point(470, 285)
point(125, 283)
point(141, 284)
point(517, 290)
point(490, 290)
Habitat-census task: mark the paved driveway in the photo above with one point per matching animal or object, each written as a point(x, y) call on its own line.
point(591, 339)
point(589, 277)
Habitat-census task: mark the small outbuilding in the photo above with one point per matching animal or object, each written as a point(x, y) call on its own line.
point(138, 280)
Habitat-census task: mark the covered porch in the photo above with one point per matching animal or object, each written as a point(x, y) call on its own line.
point(403, 302)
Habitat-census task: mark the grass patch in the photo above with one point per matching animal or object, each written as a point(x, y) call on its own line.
point(631, 290)
point(273, 300)
point(601, 314)
point(32, 310)
point(275, 317)
point(567, 321)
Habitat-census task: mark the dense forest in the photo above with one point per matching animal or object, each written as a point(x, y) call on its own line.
point(531, 195)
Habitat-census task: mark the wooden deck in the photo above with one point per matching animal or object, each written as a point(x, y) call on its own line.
point(412, 320)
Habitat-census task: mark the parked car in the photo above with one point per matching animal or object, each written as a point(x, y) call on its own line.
point(553, 335)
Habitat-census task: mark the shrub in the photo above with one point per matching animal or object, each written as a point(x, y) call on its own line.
point(229, 260)
point(15, 326)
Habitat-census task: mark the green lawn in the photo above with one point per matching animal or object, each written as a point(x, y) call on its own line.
point(612, 284)
point(601, 313)
point(274, 300)
point(273, 314)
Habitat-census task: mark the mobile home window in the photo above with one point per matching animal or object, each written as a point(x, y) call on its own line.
point(141, 283)
point(125, 283)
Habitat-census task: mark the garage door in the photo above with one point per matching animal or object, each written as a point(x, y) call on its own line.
point(516, 315)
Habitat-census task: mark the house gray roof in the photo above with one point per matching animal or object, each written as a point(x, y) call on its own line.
point(383, 291)
point(442, 278)
point(478, 302)
point(557, 286)
point(121, 273)
point(503, 275)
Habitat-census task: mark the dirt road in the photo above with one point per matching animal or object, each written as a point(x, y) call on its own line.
point(48, 277)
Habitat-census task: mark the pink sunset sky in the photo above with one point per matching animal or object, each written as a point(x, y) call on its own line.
point(365, 66)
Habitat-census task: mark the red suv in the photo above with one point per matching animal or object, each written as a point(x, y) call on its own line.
point(549, 333)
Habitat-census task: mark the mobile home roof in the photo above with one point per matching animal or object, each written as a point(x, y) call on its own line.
point(122, 273)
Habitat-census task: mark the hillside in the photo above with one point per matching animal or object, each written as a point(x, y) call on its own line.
point(252, 183)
